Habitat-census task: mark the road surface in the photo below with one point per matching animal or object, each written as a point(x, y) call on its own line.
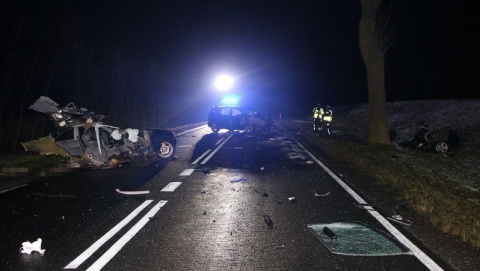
point(230, 201)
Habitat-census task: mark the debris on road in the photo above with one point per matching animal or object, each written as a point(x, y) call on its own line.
point(260, 192)
point(28, 247)
point(400, 219)
point(357, 239)
point(143, 192)
point(268, 221)
point(320, 195)
point(281, 247)
point(239, 180)
point(205, 170)
point(292, 199)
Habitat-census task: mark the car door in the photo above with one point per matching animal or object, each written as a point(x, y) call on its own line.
point(70, 140)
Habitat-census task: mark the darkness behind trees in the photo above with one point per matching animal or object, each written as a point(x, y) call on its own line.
point(142, 63)
point(51, 50)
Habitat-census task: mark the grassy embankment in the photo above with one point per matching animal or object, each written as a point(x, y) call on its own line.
point(442, 188)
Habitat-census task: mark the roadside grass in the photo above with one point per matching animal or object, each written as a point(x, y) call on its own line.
point(30, 160)
point(442, 188)
point(21, 168)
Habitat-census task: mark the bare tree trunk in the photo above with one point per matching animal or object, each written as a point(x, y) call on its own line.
point(373, 57)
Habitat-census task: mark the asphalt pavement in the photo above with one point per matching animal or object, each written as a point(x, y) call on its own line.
point(230, 201)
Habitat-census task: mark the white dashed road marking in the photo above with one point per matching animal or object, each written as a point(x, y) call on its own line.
point(187, 172)
point(171, 187)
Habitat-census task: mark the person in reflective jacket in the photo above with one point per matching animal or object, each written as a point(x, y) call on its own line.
point(317, 117)
point(327, 114)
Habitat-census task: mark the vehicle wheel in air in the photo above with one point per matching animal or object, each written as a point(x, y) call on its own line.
point(441, 147)
point(167, 149)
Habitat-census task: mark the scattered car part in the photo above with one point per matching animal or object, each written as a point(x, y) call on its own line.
point(238, 118)
point(268, 221)
point(143, 192)
point(28, 247)
point(438, 141)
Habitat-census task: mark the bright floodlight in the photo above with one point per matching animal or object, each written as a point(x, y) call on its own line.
point(224, 82)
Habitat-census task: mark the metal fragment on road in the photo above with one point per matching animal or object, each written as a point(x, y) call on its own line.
point(239, 180)
point(320, 195)
point(268, 221)
point(260, 192)
point(143, 192)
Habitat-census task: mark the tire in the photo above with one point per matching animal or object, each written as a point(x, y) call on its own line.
point(214, 128)
point(441, 147)
point(167, 150)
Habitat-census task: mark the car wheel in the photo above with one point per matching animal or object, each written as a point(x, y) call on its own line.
point(214, 128)
point(167, 149)
point(441, 147)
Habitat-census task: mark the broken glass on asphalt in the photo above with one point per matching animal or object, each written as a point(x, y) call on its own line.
point(356, 239)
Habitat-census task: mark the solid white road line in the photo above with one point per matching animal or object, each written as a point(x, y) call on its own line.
point(12, 188)
point(201, 156)
point(171, 187)
point(107, 256)
point(187, 172)
point(220, 141)
point(87, 253)
point(421, 256)
point(216, 149)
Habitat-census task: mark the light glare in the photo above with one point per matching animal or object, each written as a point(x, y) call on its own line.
point(224, 82)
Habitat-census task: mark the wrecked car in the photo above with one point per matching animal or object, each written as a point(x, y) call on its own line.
point(80, 135)
point(438, 141)
point(238, 118)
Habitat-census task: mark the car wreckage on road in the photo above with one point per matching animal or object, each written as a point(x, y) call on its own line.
point(80, 135)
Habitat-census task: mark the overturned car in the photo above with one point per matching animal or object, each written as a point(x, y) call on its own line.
point(80, 135)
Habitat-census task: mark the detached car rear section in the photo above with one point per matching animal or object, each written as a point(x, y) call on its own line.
point(81, 135)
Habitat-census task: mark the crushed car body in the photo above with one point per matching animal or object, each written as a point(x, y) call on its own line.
point(80, 135)
point(238, 118)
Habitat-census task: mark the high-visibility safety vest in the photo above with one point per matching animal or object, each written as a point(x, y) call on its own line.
point(317, 112)
point(328, 116)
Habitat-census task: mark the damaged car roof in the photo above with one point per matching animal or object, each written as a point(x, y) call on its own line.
point(80, 134)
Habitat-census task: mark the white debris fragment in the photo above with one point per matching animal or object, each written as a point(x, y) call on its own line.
point(116, 134)
point(133, 192)
point(28, 247)
point(321, 195)
point(132, 134)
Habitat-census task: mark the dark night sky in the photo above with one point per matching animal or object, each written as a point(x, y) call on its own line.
point(287, 55)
